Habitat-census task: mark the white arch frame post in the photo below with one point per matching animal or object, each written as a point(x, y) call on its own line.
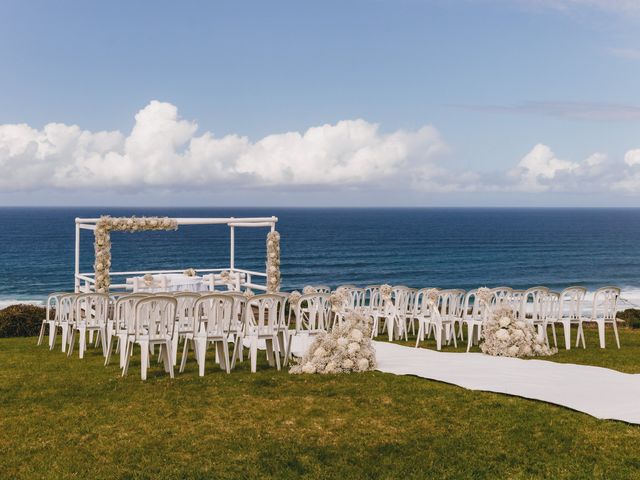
point(85, 282)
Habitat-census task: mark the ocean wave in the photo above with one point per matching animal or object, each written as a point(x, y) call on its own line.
point(4, 303)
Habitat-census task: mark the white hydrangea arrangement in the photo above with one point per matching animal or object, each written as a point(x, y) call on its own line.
point(338, 299)
point(189, 272)
point(273, 262)
point(347, 348)
point(506, 336)
point(385, 292)
point(102, 241)
point(294, 299)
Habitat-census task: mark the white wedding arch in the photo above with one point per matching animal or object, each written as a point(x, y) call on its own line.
point(100, 279)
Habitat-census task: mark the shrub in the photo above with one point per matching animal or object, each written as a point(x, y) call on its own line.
point(21, 320)
point(631, 317)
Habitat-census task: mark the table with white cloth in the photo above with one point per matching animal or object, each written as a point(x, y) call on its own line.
point(169, 282)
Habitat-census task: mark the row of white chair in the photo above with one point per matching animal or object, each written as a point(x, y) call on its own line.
point(165, 320)
point(453, 309)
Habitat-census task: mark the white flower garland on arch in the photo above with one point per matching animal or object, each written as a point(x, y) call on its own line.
point(102, 241)
point(273, 262)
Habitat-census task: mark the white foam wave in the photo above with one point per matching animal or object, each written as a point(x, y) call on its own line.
point(6, 302)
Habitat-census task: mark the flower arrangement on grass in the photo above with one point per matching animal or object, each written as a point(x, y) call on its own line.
point(189, 272)
point(338, 299)
point(102, 241)
point(347, 348)
point(273, 262)
point(506, 336)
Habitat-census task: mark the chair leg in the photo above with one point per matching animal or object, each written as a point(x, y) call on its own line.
point(202, 354)
point(41, 336)
point(566, 326)
point(168, 358)
point(107, 357)
point(470, 335)
point(601, 334)
point(253, 354)
point(71, 341)
point(174, 348)
point(144, 359)
point(420, 333)
point(83, 341)
point(127, 357)
point(276, 351)
point(270, 346)
point(122, 343)
point(53, 330)
point(553, 330)
point(185, 352)
point(438, 334)
point(615, 332)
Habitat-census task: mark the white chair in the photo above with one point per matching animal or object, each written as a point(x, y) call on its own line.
point(422, 311)
point(501, 297)
point(473, 316)
point(395, 314)
point(213, 316)
point(123, 312)
point(63, 320)
point(152, 324)
point(569, 312)
point(455, 311)
point(531, 309)
point(313, 315)
point(91, 313)
point(439, 320)
point(603, 311)
point(549, 312)
point(49, 320)
point(266, 325)
point(185, 320)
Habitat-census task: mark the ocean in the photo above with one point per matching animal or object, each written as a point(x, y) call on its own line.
point(420, 247)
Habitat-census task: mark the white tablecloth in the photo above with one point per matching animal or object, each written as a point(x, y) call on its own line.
point(175, 282)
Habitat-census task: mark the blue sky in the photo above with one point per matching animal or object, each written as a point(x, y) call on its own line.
point(408, 102)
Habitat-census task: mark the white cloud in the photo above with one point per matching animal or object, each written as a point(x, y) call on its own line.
point(612, 6)
point(632, 157)
point(164, 150)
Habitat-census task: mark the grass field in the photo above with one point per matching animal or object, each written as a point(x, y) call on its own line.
point(68, 418)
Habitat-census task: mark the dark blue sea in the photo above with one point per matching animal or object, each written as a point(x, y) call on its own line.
point(463, 248)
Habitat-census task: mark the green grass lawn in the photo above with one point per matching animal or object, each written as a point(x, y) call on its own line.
point(68, 418)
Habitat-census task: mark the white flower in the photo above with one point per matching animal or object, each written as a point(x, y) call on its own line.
point(353, 348)
point(363, 364)
point(347, 364)
point(502, 334)
point(309, 368)
point(319, 352)
point(356, 335)
point(343, 342)
point(504, 322)
point(513, 350)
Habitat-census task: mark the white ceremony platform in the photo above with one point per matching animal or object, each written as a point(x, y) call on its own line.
point(600, 392)
point(175, 280)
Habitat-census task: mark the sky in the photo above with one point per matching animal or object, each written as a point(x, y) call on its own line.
point(320, 103)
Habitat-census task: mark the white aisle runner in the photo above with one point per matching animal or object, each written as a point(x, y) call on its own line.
point(600, 392)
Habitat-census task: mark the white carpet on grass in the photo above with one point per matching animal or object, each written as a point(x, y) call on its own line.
point(600, 392)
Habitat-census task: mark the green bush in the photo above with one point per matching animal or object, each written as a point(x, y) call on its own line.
point(631, 317)
point(21, 321)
